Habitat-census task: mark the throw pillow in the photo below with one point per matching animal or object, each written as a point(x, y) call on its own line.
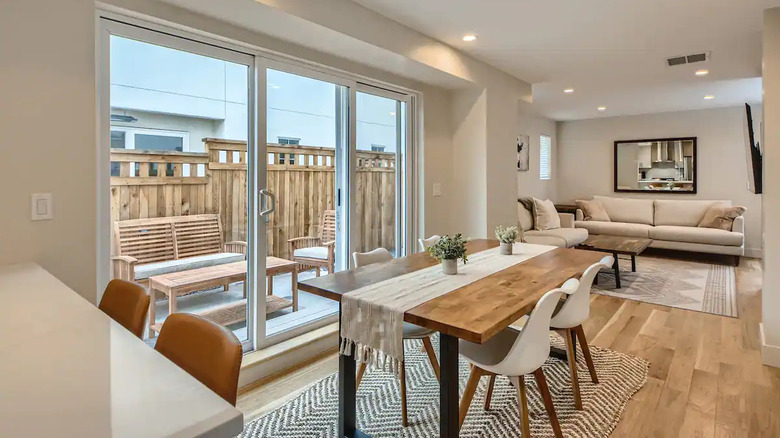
point(545, 215)
point(593, 211)
point(721, 217)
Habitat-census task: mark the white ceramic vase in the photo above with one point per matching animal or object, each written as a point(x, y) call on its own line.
point(449, 266)
point(505, 248)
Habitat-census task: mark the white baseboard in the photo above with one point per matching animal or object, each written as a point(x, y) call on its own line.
point(770, 354)
point(755, 253)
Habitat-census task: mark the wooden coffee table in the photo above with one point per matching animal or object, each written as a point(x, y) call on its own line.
point(181, 283)
point(631, 246)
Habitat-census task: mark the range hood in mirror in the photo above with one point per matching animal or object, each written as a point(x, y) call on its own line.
point(667, 152)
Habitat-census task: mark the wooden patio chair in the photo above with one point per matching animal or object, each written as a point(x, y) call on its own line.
point(317, 252)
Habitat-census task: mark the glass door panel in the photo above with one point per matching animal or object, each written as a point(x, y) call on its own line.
point(305, 134)
point(380, 185)
point(180, 123)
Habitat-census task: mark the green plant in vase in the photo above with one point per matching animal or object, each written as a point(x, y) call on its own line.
point(448, 250)
point(507, 236)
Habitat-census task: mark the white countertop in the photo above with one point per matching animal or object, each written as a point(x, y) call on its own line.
point(68, 370)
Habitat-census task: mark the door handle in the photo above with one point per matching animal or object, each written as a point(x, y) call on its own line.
point(269, 209)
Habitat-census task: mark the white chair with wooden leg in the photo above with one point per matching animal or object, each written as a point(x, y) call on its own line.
point(411, 331)
point(568, 322)
point(514, 354)
point(427, 243)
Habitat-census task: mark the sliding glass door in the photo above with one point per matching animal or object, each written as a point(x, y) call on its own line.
point(179, 147)
point(380, 171)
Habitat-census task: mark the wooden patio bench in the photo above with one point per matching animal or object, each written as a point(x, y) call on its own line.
point(149, 247)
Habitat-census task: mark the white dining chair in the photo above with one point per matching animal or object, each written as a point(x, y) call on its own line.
point(568, 322)
point(425, 243)
point(411, 331)
point(515, 353)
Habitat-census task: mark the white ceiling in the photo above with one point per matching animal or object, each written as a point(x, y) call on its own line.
point(612, 52)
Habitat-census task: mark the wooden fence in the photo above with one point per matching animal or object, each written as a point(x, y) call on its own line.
point(157, 184)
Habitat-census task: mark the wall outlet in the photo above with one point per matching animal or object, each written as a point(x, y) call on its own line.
point(436, 189)
point(41, 207)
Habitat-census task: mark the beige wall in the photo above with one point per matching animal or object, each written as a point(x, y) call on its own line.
point(528, 183)
point(770, 297)
point(47, 121)
point(585, 157)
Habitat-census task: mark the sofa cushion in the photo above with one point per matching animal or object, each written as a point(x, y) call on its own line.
point(615, 228)
point(315, 252)
point(709, 236)
point(687, 213)
point(721, 217)
point(525, 218)
point(593, 211)
point(545, 215)
point(185, 264)
point(567, 236)
point(635, 211)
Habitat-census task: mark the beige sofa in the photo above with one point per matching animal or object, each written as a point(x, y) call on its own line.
point(564, 237)
point(671, 224)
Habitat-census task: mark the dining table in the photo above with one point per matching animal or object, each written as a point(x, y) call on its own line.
point(475, 312)
point(68, 370)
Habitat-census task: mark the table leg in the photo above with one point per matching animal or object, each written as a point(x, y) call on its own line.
point(449, 420)
point(347, 393)
point(294, 276)
point(633, 263)
point(616, 266)
point(172, 295)
point(151, 313)
point(270, 287)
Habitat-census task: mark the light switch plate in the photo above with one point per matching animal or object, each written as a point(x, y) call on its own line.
point(41, 207)
point(436, 189)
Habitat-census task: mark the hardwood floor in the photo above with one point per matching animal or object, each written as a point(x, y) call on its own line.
point(706, 377)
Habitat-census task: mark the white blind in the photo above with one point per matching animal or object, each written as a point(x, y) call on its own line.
point(545, 143)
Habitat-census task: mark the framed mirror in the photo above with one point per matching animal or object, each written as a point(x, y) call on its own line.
point(656, 165)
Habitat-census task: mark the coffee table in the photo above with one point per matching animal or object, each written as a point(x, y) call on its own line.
point(179, 283)
point(631, 246)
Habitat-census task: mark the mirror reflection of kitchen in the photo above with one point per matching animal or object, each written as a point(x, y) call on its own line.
point(664, 165)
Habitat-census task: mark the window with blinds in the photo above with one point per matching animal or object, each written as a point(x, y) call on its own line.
point(545, 147)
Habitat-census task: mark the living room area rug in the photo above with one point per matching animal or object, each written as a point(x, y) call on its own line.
point(703, 287)
point(314, 413)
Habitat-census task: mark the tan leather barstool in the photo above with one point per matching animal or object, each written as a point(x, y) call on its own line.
point(126, 303)
point(209, 352)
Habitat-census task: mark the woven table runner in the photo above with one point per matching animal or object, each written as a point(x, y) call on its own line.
point(372, 317)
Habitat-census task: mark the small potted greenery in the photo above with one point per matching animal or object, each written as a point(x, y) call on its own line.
point(507, 236)
point(448, 250)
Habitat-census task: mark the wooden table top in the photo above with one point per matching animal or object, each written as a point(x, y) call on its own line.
point(617, 244)
point(475, 312)
point(237, 270)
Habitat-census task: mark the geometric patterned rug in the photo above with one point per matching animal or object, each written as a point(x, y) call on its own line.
point(314, 413)
point(683, 284)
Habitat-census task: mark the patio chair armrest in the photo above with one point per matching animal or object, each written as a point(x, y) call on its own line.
point(124, 267)
point(236, 246)
point(331, 244)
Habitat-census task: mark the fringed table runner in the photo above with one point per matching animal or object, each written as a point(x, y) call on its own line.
point(372, 317)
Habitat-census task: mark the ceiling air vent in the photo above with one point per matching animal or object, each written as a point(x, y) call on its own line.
point(688, 59)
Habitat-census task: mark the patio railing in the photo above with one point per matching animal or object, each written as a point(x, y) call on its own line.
point(158, 184)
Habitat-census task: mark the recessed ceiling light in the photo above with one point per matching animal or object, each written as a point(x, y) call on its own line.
point(602, 108)
point(469, 38)
point(702, 72)
point(392, 114)
point(569, 90)
point(709, 97)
